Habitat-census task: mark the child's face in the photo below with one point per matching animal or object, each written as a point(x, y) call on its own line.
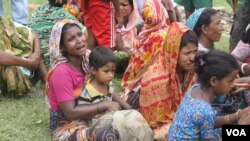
point(106, 73)
point(74, 43)
point(225, 85)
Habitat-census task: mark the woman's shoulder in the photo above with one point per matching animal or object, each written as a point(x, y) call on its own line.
point(197, 104)
point(63, 67)
point(61, 70)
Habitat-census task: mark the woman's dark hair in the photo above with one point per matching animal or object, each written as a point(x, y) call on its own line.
point(189, 37)
point(53, 3)
point(204, 19)
point(66, 27)
point(246, 35)
point(131, 3)
point(101, 56)
point(214, 63)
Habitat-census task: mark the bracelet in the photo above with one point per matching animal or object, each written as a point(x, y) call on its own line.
point(237, 114)
point(228, 119)
point(242, 68)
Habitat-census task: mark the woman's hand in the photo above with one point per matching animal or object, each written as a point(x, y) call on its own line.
point(35, 57)
point(34, 61)
point(241, 113)
point(244, 119)
point(8, 59)
point(242, 82)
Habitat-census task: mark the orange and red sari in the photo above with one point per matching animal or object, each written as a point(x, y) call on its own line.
point(150, 41)
point(161, 90)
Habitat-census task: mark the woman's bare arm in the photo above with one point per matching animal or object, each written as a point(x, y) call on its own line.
point(8, 59)
point(73, 111)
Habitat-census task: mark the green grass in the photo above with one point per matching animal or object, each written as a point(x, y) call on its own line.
point(24, 119)
point(222, 3)
point(27, 119)
point(223, 44)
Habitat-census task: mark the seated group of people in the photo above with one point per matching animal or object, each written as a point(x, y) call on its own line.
point(173, 77)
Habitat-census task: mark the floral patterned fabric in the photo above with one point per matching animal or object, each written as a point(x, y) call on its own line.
point(194, 120)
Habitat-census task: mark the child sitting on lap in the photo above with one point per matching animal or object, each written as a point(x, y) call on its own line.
point(97, 91)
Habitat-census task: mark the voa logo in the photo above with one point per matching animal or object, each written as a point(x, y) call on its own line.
point(236, 132)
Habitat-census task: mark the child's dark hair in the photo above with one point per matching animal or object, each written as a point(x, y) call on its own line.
point(66, 27)
point(204, 19)
point(246, 35)
point(214, 63)
point(188, 37)
point(101, 56)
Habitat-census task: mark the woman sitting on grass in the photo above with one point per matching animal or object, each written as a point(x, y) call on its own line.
point(149, 43)
point(160, 81)
point(19, 58)
point(76, 118)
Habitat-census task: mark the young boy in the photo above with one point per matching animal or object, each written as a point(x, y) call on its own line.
point(102, 63)
point(130, 124)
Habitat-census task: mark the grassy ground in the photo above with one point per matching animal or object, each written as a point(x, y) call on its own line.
point(222, 3)
point(27, 119)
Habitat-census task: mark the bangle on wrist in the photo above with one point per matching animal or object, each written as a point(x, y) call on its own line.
point(242, 68)
point(237, 114)
point(228, 119)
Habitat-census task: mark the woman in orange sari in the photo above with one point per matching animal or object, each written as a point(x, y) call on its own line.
point(150, 40)
point(165, 82)
point(160, 72)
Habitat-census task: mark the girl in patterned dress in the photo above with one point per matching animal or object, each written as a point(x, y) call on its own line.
point(195, 119)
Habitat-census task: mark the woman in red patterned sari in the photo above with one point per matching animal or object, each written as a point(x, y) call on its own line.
point(150, 40)
point(160, 72)
point(166, 80)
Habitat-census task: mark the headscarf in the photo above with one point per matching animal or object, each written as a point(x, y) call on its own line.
point(150, 41)
point(42, 21)
point(193, 18)
point(161, 90)
point(56, 56)
point(129, 33)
